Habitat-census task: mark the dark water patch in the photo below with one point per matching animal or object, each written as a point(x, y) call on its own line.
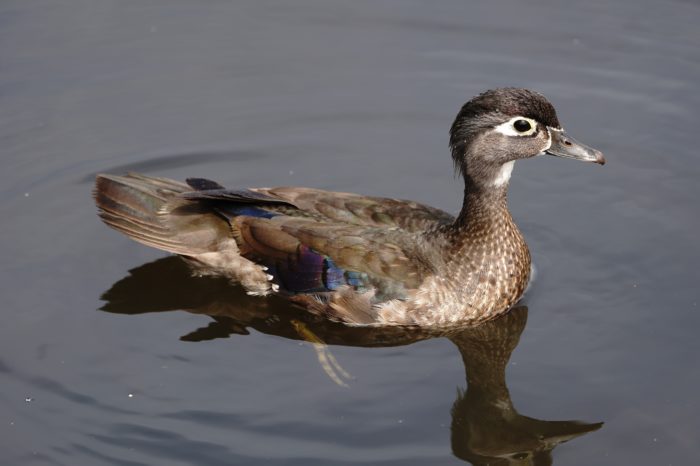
point(104, 458)
point(4, 368)
point(162, 444)
point(36, 458)
point(55, 388)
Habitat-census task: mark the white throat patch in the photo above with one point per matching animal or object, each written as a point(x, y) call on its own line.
point(504, 174)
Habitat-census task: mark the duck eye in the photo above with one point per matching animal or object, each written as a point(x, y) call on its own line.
point(522, 126)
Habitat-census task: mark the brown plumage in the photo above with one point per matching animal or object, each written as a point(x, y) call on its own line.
point(358, 259)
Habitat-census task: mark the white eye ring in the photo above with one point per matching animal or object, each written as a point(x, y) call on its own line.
point(508, 128)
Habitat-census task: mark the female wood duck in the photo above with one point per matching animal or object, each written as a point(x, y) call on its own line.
point(357, 259)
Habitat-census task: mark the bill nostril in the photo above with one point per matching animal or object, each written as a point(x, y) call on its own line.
point(567, 142)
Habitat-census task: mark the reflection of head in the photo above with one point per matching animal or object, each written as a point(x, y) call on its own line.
point(486, 428)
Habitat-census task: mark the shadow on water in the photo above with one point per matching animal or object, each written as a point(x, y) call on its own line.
point(486, 428)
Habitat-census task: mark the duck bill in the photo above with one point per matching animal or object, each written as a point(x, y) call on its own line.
point(565, 146)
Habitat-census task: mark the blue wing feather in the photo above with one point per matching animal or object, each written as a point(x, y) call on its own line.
point(247, 210)
point(310, 272)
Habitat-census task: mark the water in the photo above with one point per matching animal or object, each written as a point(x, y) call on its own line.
point(351, 96)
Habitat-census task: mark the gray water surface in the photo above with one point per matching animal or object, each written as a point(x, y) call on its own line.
point(111, 353)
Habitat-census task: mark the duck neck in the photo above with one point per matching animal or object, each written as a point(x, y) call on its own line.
point(483, 205)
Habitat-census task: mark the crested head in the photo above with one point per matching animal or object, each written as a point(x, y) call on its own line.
point(498, 127)
point(511, 102)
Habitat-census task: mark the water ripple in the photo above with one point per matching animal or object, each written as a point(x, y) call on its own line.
point(177, 161)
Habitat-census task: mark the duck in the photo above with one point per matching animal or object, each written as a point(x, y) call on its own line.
point(363, 260)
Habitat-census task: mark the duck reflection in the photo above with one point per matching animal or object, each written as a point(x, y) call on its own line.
point(486, 429)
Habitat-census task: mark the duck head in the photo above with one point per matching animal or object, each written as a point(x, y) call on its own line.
point(500, 126)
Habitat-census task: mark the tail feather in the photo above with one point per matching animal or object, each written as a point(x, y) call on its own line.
point(150, 211)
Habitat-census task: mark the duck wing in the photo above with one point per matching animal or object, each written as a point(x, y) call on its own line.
point(310, 256)
point(332, 206)
point(314, 241)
